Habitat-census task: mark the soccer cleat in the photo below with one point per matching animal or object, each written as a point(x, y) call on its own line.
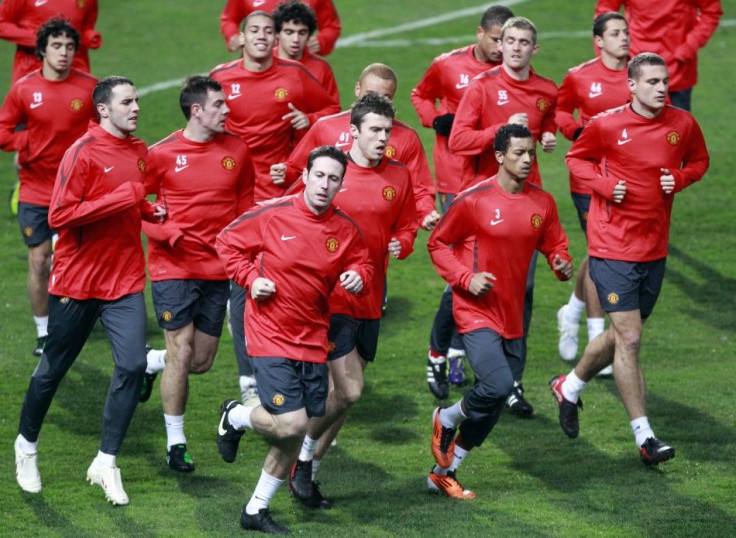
point(26, 470)
point(147, 384)
point(606, 372)
point(443, 441)
point(568, 344)
point(40, 345)
point(654, 452)
point(568, 410)
point(228, 438)
point(517, 404)
point(437, 376)
point(262, 521)
point(303, 488)
point(457, 366)
point(448, 484)
point(250, 396)
point(178, 458)
point(108, 478)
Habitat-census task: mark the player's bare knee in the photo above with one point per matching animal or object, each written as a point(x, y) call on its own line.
point(200, 365)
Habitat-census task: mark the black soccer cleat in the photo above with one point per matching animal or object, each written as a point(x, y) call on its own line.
point(228, 438)
point(437, 378)
point(262, 521)
point(147, 384)
point(40, 345)
point(568, 411)
point(178, 459)
point(304, 489)
point(653, 452)
point(517, 404)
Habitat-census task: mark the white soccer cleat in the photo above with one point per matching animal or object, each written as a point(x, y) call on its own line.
point(108, 478)
point(249, 395)
point(568, 344)
point(26, 470)
point(606, 372)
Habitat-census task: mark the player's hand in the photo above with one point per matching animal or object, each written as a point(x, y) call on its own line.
point(394, 247)
point(549, 142)
point(481, 283)
point(298, 119)
point(351, 282)
point(562, 266)
point(520, 118)
point(159, 212)
point(667, 180)
point(619, 191)
point(313, 44)
point(443, 124)
point(262, 288)
point(234, 43)
point(430, 221)
point(278, 173)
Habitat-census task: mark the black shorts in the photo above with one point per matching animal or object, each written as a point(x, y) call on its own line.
point(626, 286)
point(445, 199)
point(285, 385)
point(347, 333)
point(180, 302)
point(34, 224)
point(582, 205)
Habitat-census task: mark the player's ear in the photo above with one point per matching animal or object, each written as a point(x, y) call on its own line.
point(535, 49)
point(304, 176)
point(479, 33)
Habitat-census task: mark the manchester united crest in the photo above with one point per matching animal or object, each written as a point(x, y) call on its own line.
point(542, 104)
point(390, 152)
point(330, 346)
point(80, 4)
point(673, 137)
point(536, 221)
point(28, 231)
point(228, 163)
point(142, 165)
point(332, 244)
point(389, 193)
point(166, 315)
point(278, 400)
point(76, 105)
point(612, 298)
point(64, 300)
point(281, 93)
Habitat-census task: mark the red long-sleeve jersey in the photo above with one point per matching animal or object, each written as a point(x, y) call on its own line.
point(488, 103)
point(380, 201)
point(21, 19)
point(403, 146)
point(674, 29)
point(500, 232)
point(257, 103)
point(96, 206)
point(204, 186)
point(328, 21)
point(55, 114)
point(622, 145)
point(439, 93)
point(589, 88)
point(304, 255)
point(321, 69)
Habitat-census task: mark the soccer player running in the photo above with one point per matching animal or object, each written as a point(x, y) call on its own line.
point(377, 194)
point(54, 106)
point(510, 93)
point(98, 273)
point(189, 286)
point(590, 88)
point(506, 220)
point(651, 151)
point(436, 99)
point(289, 253)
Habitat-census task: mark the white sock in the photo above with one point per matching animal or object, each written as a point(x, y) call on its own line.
point(574, 310)
point(595, 327)
point(26, 446)
point(239, 417)
point(572, 387)
point(308, 446)
point(264, 492)
point(451, 416)
point(104, 460)
point(247, 381)
point(42, 325)
point(315, 468)
point(174, 430)
point(156, 359)
point(642, 430)
point(457, 457)
point(439, 470)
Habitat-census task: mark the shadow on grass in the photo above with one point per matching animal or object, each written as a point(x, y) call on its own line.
point(49, 518)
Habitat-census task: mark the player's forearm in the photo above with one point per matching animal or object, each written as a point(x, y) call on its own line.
point(69, 211)
point(470, 142)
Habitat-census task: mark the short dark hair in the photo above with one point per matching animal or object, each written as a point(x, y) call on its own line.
point(103, 91)
point(645, 58)
point(370, 103)
point(327, 151)
point(297, 12)
point(495, 15)
point(194, 90)
point(257, 13)
point(600, 22)
point(522, 23)
point(504, 135)
point(54, 27)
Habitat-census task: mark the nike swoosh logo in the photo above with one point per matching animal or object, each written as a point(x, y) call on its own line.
point(36, 105)
point(341, 144)
point(108, 168)
point(180, 168)
point(287, 237)
point(501, 103)
point(494, 222)
point(231, 97)
point(622, 142)
point(257, 3)
point(39, 3)
point(594, 95)
point(460, 85)
point(220, 429)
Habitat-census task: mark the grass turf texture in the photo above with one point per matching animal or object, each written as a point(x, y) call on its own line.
point(530, 479)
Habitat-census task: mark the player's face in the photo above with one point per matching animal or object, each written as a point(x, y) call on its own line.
point(214, 112)
point(322, 183)
point(59, 53)
point(292, 40)
point(518, 159)
point(489, 44)
point(377, 85)
point(259, 36)
point(372, 137)
point(615, 39)
point(120, 115)
point(649, 89)
point(517, 48)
